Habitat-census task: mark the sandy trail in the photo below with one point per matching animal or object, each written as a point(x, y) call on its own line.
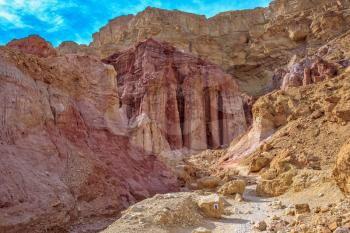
point(241, 216)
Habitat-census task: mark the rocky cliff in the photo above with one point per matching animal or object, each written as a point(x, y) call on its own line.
point(250, 44)
point(66, 160)
point(175, 100)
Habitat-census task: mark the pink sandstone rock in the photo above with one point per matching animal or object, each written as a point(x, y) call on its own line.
point(66, 160)
point(193, 103)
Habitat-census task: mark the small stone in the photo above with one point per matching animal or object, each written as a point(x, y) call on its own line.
point(267, 146)
point(333, 226)
point(290, 212)
point(317, 209)
point(300, 218)
point(321, 195)
point(239, 197)
point(278, 205)
point(302, 208)
point(260, 226)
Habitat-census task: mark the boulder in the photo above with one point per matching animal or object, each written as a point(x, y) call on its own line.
point(261, 226)
point(341, 172)
point(259, 163)
point(209, 182)
point(212, 206)
point(277, 186)
point(233, 187)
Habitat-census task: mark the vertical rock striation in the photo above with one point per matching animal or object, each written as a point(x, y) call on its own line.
point(193, 104)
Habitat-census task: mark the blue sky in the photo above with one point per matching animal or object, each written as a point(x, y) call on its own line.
point(76, 20)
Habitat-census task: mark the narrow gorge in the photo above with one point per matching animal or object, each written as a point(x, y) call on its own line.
point(172, 122)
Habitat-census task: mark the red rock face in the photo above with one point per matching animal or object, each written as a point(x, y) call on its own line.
point(33, 45)
point(64, 153)
point(194, 104)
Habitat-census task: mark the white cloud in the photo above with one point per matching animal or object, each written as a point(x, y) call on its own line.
point(12, 19)
point(13, 11)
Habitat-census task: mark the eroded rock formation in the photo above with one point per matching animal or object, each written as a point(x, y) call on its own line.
point(66, 160)
point(250, 44)
point(177, 100)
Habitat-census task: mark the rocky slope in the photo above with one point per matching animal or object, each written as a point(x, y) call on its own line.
point(250, 44)
point(297, 132)
point(66, 159)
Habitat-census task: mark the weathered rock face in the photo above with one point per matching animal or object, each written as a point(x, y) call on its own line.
point(190, 32)
point(305, 72)
point(33, 45)
point(65, 157)
point(250, 44)
point(176, 100)
point(341, 172)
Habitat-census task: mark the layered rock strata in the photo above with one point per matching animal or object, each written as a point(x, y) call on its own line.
point(176, 100)
point(66, 162)
point(250, 44)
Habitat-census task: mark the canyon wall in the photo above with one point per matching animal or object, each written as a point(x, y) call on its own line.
point(249, 44)
point(175, 100)
point(80, 138)
point(66, 162)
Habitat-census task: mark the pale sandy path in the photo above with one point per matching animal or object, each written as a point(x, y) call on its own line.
point(243, 214)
